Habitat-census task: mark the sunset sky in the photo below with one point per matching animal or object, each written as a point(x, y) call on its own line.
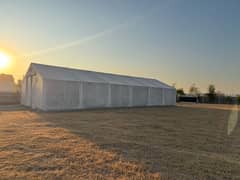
point(175, 41)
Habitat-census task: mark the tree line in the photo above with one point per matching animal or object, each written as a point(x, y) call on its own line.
point(212, 96)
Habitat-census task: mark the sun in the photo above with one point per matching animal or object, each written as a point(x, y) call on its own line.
point(4, 60)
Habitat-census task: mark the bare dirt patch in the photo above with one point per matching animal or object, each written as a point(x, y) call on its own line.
point(183, 142)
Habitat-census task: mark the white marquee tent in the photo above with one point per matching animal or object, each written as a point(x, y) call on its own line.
point(51, 88)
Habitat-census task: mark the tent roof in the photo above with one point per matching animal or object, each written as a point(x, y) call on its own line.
point(67, 74)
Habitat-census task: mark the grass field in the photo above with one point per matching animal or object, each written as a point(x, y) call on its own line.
point(183, 142)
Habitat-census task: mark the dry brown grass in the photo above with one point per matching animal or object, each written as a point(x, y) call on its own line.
point(183, 142)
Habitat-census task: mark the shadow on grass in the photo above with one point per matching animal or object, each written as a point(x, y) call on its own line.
point(185, 141)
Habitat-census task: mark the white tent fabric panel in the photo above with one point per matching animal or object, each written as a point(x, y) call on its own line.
point(54, 97)
point(170, 97)
point(29, 91)
point(71, 95)
point(95, 95)
point(74, 95)
point(156, 96)
point(62, 95)
point(23, 92)
point(36, 92)
point(140, 96)
point(173, 97)
point(32, 88)
point(120, 96)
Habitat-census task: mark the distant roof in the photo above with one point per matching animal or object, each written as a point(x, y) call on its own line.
point(6, 77)
point(7, 84)
point(68, 74)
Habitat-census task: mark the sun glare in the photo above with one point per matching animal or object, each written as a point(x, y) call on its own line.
point(4, 60)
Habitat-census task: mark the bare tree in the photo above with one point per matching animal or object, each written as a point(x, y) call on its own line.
point(180, 92)
point(211, 93)
point(194, 90)
point(211, 89)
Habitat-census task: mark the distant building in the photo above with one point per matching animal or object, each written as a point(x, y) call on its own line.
point(7, 84)
point(56, 88)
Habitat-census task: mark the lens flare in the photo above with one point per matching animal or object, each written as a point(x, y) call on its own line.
point(233, 119)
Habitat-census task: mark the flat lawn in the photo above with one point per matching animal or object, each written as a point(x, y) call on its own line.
point(188, 141)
